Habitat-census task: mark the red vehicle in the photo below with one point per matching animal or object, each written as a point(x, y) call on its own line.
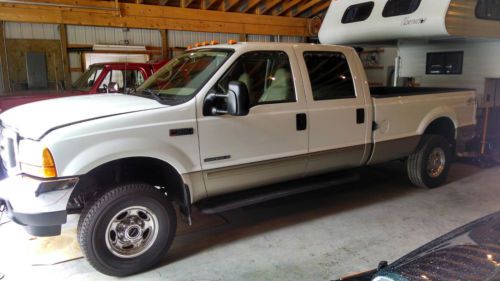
point(98, 78)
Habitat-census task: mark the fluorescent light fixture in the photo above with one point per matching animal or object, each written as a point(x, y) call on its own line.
point(98, 47)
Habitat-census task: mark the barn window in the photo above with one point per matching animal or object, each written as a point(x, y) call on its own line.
point(488, 9)
point(358, 12)
point(400, 7)
point(444, 63)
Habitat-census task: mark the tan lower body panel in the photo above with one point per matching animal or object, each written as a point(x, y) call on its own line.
point(393, 149)
point(231, 179)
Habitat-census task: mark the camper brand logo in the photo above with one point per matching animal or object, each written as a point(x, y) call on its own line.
point(409, 21)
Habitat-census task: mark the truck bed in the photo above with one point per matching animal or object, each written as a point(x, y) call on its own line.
point(389, 92)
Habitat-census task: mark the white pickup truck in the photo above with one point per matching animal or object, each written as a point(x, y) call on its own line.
point(218, 127)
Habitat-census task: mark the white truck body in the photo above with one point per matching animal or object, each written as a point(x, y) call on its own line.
point(218, 154)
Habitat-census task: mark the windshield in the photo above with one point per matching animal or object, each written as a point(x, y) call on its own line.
point(180, 79)
point(88, 79)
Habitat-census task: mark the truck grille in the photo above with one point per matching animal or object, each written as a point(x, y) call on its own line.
point(8, 149)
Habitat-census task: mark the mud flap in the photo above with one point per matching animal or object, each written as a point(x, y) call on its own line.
point(185, 204)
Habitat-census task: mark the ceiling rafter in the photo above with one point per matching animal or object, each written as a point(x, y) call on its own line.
point(227, 5)
point(250, 5)
point(303, 8)
point(267, 6)
point(285, 7)
point(320, 9)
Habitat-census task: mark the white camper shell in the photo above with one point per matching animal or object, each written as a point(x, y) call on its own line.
point(360, 21)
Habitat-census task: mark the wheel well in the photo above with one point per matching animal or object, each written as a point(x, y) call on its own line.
point(442, 127)
point(128, 170)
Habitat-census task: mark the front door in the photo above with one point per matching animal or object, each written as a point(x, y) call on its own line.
point(269, 144)
point(339, 114)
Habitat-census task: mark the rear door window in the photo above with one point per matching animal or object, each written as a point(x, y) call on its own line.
point(330, 75)
point(400, 7)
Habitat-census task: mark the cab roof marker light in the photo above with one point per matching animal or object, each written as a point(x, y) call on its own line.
point(232, 42)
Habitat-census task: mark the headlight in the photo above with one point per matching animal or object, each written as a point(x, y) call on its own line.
point(36, 159)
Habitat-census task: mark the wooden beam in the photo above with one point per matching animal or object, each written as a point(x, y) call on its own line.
point(3, 61)
point(100, 13)
point(164, 44)
point(243, 37)
point(65, 56)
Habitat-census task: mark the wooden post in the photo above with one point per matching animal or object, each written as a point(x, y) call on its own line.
point(164, 44)
point(243, 37)
point(65, 57)
point(3, 61)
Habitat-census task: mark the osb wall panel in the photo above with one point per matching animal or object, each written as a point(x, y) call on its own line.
point(16, 55)
point(461, 21)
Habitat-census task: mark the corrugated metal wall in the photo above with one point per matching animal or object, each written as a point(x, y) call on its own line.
point(90, 35)
point(178, 38)
point(14, 30)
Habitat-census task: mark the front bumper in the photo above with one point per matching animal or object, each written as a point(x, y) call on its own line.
point(38, 205)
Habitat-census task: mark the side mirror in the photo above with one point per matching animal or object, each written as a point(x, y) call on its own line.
point(236, 102)
point(238, 99)
point(112, 87)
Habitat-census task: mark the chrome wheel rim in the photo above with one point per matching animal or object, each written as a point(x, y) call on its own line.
point(436, 162)
point(131, 232)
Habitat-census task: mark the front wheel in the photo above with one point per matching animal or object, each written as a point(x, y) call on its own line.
point(127, 230)
point(428, 167)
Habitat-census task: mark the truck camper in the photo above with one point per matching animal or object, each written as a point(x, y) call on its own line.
point(445, 43)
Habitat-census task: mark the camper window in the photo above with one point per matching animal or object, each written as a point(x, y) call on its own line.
point(488, 9)
point(444, 63)
point(358, 12)
point(400, 7)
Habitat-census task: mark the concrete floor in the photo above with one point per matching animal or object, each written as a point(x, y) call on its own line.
point(315, 236)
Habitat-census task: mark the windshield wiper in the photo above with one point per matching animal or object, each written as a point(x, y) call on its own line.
point(152, 94)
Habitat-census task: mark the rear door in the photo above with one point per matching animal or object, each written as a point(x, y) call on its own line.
point(340, 111)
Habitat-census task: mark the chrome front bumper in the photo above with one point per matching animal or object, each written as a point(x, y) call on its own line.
point(38, 205)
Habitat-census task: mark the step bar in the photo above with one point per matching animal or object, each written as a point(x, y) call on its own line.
point(245, 198)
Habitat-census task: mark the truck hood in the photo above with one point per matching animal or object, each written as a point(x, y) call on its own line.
point(34, 120)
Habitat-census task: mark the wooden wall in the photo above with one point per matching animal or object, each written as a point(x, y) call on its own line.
point(16, 56)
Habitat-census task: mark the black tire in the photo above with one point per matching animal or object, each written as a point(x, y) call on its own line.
point(95, 222)
point(417, 164)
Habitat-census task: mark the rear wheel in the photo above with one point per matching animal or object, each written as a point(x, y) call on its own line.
point(127, 230)
point(428, 167)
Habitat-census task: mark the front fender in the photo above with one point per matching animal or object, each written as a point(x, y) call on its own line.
point(101, 153)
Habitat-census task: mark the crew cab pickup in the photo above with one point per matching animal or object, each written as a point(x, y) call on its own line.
point(218, 127)
point(98, 78)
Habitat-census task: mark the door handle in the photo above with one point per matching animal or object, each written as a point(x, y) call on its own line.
point(301, 119)
point(360, 116)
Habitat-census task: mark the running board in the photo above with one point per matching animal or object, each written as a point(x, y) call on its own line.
point(254, 196)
